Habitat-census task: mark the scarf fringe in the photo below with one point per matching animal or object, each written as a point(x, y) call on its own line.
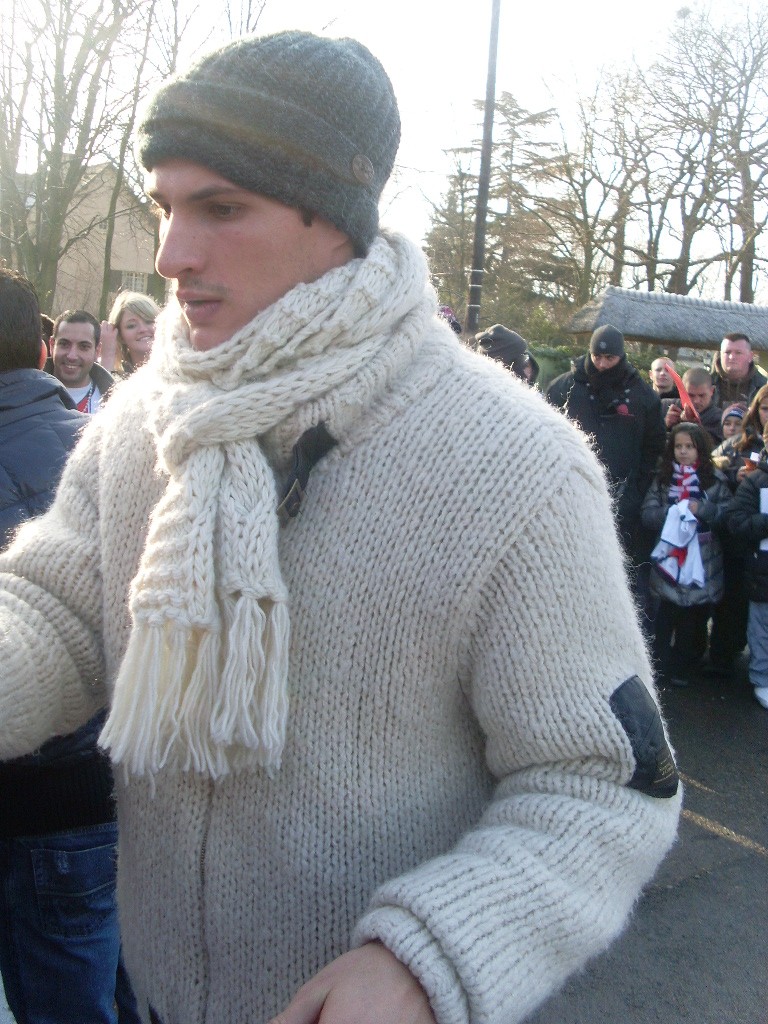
point(251, 706)
point(175, 707)
point(130, 733)
point(201, 754)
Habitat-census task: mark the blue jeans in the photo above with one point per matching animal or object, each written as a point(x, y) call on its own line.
point(757, 638)
point(59, 935)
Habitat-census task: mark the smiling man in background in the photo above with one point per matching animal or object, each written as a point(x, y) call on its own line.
point(75, 342)
point(357, 779)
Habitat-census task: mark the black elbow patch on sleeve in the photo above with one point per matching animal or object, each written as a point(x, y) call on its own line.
point(655, 768)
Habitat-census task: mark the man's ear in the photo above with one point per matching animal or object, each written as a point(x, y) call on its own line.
point(43, 358)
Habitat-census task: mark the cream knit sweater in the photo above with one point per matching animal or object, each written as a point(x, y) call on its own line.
point(453, 780)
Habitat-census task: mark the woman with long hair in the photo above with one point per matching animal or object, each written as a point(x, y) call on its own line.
point(753, 424)
point(732, 454)
point(130, 331)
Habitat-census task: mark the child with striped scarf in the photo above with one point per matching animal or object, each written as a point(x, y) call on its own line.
point(687, 481)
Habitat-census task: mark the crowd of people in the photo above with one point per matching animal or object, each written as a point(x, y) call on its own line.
point(677, 462)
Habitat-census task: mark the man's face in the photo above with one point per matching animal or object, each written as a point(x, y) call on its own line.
point(660, 379)
point(232, 253)
point(701, 396)
point(74, 353)
point(602, 363)
point(735, 357)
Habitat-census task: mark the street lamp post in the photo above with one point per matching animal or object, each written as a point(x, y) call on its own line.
point(478, 252)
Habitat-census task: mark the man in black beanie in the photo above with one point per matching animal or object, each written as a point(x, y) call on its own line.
point(287, 559)
point(609, 400)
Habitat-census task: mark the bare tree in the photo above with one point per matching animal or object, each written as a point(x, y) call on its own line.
point(174, 20)
point(62, 94)
point(664, 183)
point(743, 50)
point(582, 199)
point(701, 141)
point(243, 18)
point(120, 163)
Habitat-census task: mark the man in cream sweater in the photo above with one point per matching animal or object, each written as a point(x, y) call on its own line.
point(382, 719)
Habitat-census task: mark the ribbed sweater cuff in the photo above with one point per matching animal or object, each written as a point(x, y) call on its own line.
point(413, 945)
point(45, 799)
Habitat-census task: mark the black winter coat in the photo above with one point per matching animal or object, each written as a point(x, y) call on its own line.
point(38, 429)
point(629, 434)
point(750, 526)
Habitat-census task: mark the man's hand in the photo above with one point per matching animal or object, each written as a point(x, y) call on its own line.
point(365, 986)
point(674, 414)
point(108, 343)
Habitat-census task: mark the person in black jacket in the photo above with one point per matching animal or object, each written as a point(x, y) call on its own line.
point(607, 397)
point(59, 936)
point(747, 518)
point(701, 392)
point(509, 349)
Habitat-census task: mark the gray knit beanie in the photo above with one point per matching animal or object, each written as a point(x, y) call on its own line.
point(311, 122)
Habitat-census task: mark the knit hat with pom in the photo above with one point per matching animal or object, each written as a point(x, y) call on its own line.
point(309, 121)
point(738, 410)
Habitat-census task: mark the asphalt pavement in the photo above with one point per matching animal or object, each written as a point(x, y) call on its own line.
point(697, 947)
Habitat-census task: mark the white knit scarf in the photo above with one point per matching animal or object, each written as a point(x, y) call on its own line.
point(203, 685)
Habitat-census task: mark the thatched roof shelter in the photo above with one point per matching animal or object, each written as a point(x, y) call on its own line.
point(671, 321)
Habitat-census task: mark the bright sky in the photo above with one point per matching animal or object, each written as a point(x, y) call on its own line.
point(436, 53)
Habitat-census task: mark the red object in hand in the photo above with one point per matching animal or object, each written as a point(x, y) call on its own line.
point(622, 410)
point(685, 398)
